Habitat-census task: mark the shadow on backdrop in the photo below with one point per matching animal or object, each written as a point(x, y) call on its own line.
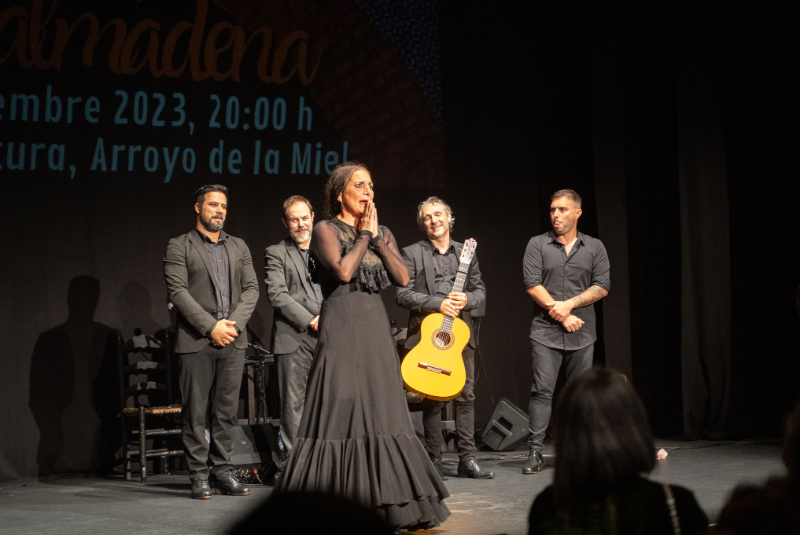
point(73, 395)
point(136, 310)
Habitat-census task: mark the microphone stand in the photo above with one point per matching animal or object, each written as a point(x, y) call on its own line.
point(258, 361)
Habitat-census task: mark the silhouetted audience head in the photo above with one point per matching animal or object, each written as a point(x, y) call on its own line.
point(602, 435)
point(302, 513)
point(791, 447)
point(774, 507)
point(604, 447)
point(768, 509)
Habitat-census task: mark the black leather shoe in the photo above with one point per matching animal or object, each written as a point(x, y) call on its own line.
point(227, 484)
point(534, 463)
point(438, 465)
point(471, 470)
point(201, 490)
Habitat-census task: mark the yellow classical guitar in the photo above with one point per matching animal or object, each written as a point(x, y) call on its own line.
point(434, 368)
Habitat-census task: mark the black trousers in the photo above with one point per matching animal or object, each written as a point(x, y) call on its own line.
point(546, 363)
point(210, 382)
point(293, 369)
point(465, 417)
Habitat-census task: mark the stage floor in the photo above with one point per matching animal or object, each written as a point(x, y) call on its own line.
point(74, 504)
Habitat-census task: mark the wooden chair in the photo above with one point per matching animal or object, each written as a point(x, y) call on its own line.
point(146, 392)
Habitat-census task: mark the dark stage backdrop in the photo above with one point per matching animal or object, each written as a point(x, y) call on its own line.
point(113, 114)
point(678, 126)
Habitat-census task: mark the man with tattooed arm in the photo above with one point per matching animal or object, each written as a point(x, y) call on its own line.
point(565, 272)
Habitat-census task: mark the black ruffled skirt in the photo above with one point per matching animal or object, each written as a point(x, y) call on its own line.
point(356, 439)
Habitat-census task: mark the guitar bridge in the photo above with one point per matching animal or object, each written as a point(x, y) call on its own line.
point(434, 369)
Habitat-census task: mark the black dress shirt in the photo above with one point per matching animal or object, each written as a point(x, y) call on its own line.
point(445, 267)
point(313, 289)
point(218, 255)
point(547, 264)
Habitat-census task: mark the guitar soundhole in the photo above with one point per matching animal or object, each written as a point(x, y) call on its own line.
point(442, 340)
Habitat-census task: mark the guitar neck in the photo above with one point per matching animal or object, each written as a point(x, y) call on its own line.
point(461, 277)
point(458, 287)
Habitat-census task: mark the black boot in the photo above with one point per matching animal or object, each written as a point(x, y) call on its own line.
point(534, 463)
point(201, 489)
point(471, 470)
point(227, 484)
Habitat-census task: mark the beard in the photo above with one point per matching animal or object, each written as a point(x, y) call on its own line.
point(301, 236)
point(213, 224)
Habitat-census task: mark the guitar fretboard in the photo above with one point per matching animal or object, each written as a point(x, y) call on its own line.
point(458, 286)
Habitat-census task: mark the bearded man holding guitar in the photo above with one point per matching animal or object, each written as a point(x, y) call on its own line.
point(434, 265)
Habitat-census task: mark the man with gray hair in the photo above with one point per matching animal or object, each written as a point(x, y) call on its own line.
point(565, 272)
point(433, 264)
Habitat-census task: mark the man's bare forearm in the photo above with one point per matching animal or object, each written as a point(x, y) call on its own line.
point(592, 295)
point(540, 295)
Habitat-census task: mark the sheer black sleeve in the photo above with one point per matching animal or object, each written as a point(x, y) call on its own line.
point(386, 246)
point(326, 247)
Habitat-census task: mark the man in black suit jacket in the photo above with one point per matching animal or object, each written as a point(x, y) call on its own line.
point(433, 264)
point(296, 299)
point(212, 284)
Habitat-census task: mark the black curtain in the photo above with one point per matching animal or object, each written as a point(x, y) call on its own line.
point(705, 236)
point(678, 126)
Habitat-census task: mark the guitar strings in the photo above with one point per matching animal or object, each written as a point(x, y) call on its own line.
point(444, 334)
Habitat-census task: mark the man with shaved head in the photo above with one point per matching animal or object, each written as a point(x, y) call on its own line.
point(565, 272)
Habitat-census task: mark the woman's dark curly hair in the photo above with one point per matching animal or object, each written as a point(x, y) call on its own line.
point(338, 180)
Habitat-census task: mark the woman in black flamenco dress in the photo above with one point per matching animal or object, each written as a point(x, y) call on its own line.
point(355, 438)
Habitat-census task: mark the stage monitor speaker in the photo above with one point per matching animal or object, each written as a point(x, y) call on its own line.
point(506, 428)
point(256, 454)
